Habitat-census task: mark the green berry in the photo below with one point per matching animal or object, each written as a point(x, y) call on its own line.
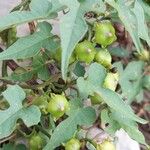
point(19, 70)
point(104, 33)
point(96, 99)
point(144, 55)
point(41, 102)
point(36, 142)
point(106, 145)
point(104, 58)
point(111, 81)
point(85, 51)
point(73, 144)
point(57, 56)
point(57, 106)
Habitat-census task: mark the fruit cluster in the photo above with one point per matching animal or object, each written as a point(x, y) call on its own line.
point(57, 104)
point(85, 51)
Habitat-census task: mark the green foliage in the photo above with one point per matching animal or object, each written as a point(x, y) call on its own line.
point(94, 83)
point(57, 65)
point(132, 22)
point(74, 23)
point(29, 46)
point(39, 10)
point(139, 13)
point(81, 116)
point(131, 79)
point(117, 121)
point(146, 82)
point(13, 147)
point(8, 118)
point(119, 52)
point(21, 75)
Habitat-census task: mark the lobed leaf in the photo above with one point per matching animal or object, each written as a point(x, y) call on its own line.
point(8, 118)
point(74, 23)
point(129, 126)
point(94, 83)
point(65, 130)
point(141, 22)
point(39, 10)
point(128, 19)
point(29, 46)
point(131, 79)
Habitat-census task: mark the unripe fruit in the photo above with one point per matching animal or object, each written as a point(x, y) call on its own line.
point(85, 51)
point(19, 70)
point(36, 142)
point(57, 56)
point(73, 144)
point(96, 99)
point(144, 55)
point(111, 81)
point(104, 33)
point(57, 106)
point(41, 102)
point(106, 145)
point(104, 58)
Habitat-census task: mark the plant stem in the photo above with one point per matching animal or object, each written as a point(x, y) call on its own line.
point(4, 68)
point(43, 131)
point(89, 33)
point(8, 138)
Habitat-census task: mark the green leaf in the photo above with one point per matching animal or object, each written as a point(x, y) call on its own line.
point(119, 67)
point(117, 121)
point(128, 19)
point(119, 52)
point(8, 118)
point(22, 77)
point(131, 80)
point(142, 27)
point(94, 83)
point(40, 65)
point(74, 105)
point(146, 8)
point(140, 96)
point(146, 82)
point(30, 45)
point(113, 125)
point(79, 70)
point(129, 126)
point(11, 146)
point(65, 130)
point(39, 10)
point(74, 23)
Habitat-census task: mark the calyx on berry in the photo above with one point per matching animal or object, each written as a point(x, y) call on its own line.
point(73, 144)
point(58, 105)
point(85, 51)
point(104, 33)
point(104, 58)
